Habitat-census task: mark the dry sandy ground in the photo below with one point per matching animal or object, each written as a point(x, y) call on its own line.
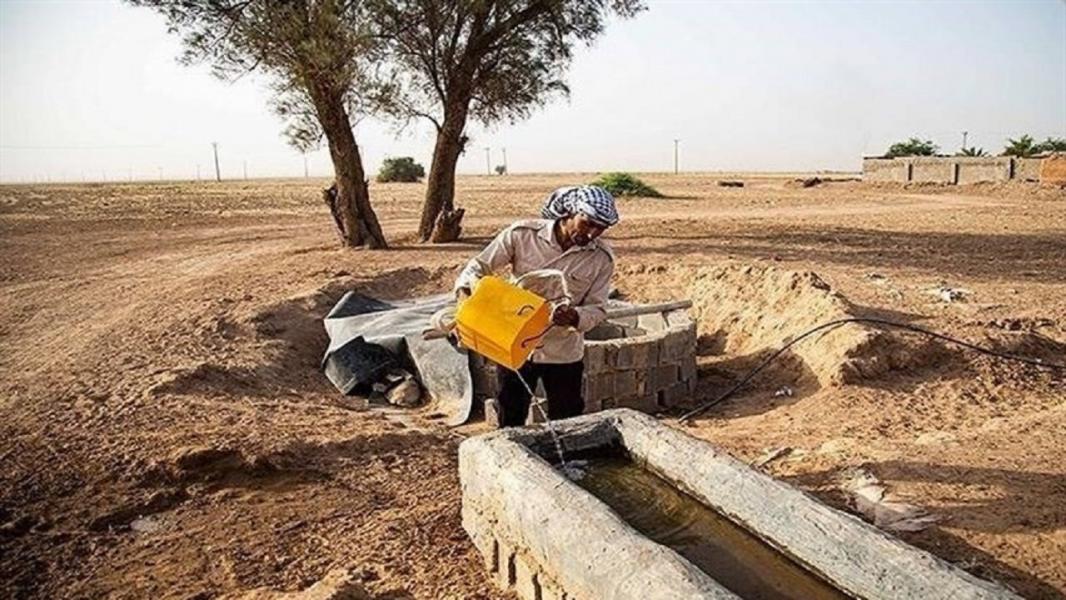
point(159, 346)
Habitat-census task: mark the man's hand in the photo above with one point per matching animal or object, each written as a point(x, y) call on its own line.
point(565, 316)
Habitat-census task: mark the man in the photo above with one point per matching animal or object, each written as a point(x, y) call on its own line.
point(566, 239)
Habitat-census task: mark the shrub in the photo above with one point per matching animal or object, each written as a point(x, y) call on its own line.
point(403, 168)
point(624, 184)
point(1020, 147)
point(1052, 145)
point(912, 147)
point(971, 151)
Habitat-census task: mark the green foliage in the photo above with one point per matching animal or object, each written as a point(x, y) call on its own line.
point(624, 184)
point(912, 147)
point(1021, 147)
point(1051, 145)
point(403, 168)
point(971, 151)
point(501, 170)
point(501, 59)
point(311, 51)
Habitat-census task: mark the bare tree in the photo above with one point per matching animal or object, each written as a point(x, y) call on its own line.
point(495, 60)
point(316, 52)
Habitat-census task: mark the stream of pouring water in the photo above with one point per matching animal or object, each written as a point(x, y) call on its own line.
point(570, 471)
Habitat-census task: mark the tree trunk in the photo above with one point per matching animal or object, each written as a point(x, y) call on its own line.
point(440, 191)
point(351, 207)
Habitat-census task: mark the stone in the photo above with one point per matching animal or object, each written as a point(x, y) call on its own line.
point(338, 584)
point(407, 393)
point(538, 411)
point(492, 413)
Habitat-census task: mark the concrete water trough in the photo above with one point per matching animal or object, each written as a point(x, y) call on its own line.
point(656, 513)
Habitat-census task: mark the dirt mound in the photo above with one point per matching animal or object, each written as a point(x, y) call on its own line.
point(748, 310)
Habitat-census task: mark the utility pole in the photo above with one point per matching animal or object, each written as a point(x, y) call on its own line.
point(218, 173)
point(964, 134)
point(505, 160)
point(488, 161)
point(197, 171)
point(675, 156)
point(305, 165)
point(160, 173)
point(246, 169)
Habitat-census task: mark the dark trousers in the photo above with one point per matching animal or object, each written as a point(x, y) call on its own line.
point(562, 385)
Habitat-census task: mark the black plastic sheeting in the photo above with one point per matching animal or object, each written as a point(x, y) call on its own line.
point(368, 337)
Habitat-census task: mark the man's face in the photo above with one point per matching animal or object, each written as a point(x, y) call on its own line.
point(582, 230)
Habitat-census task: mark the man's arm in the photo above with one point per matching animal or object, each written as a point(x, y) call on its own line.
point(495, 256)
point(593, 309)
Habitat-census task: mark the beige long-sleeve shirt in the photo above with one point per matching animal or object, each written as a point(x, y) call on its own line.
point(530, 245)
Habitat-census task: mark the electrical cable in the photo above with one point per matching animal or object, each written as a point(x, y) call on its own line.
point(882, 322)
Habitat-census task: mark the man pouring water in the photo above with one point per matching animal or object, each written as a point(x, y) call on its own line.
point(566, 239)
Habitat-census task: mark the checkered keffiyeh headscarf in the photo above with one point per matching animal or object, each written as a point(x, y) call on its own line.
point(593, 201)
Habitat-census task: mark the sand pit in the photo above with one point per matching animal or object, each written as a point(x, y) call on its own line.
point(746, 311)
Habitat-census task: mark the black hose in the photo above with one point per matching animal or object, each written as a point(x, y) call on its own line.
point(882, 322)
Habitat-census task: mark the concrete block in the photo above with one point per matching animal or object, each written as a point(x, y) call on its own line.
point(593, 405)
point(606, 331)
point(638, 353)
point(645, 403)
point(625, 384)
point(525, 585)
point(595, 358)
point(677, 345)
point(652, 323)
point(687, 368)
point(675, 395)
point(678, 318)
point(661, 377)
point(597, 387)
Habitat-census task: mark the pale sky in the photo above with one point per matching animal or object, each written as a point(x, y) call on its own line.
point(90, 89)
